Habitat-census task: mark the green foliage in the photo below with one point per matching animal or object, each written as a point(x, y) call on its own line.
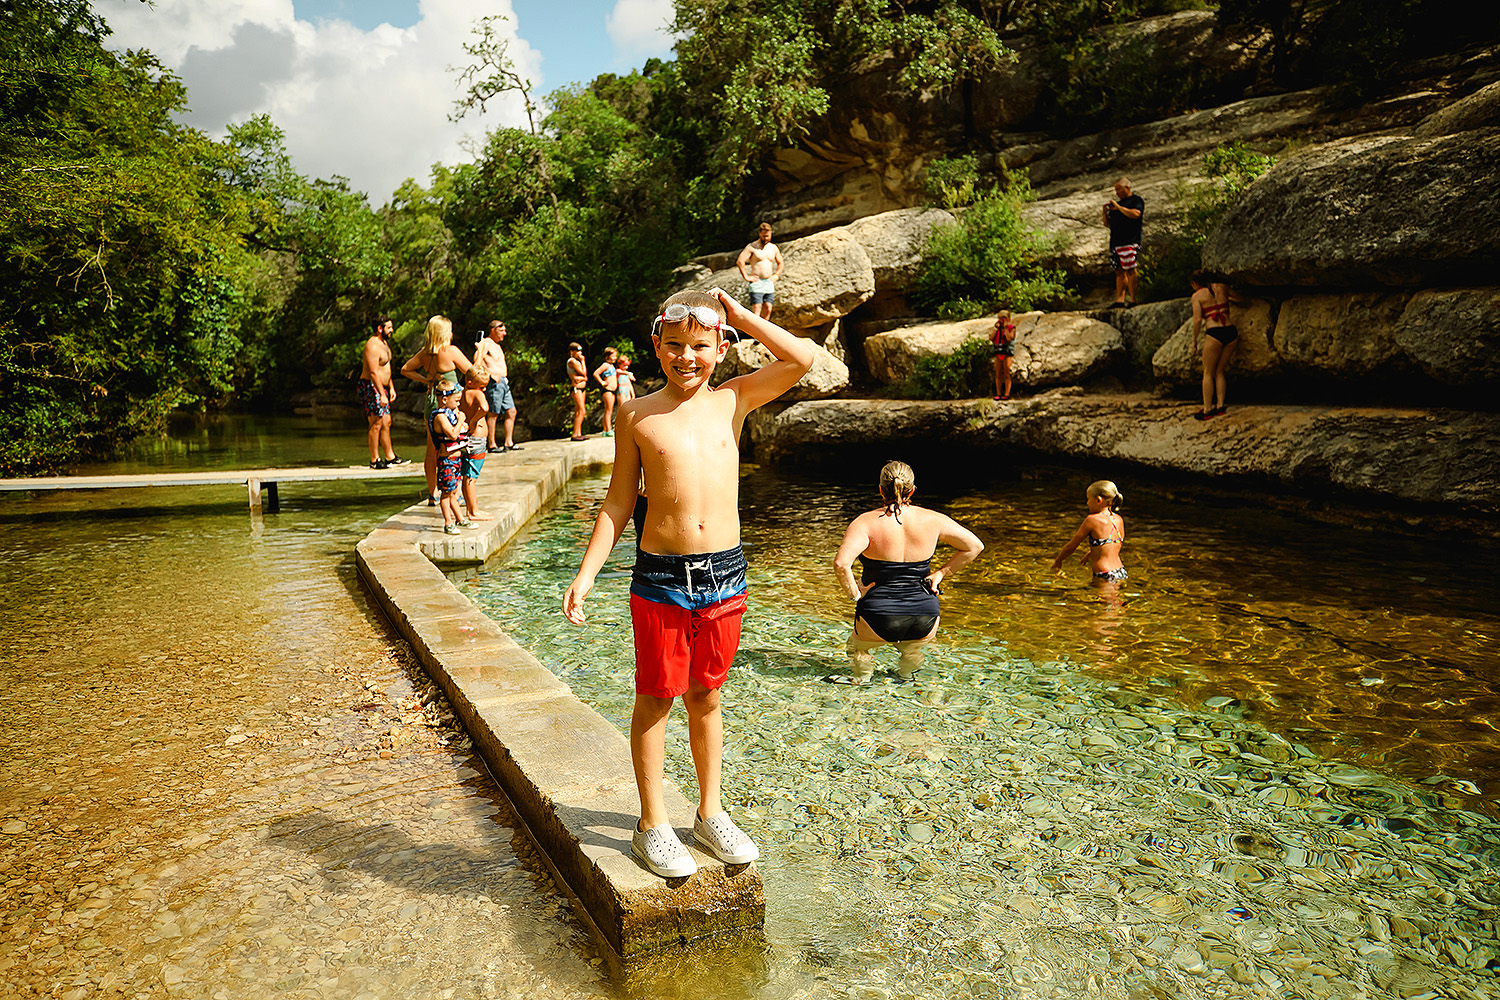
point(1227, 172)
point(1360, 44)
point(963, 374)
point(121, 276)
point(989, 258)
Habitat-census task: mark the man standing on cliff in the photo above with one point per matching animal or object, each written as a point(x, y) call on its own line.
point(1123, 215)
point(760, 264)
point(377, 392)
point(490, 356)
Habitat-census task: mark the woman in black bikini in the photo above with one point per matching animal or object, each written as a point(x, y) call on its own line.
point(1211, 314)
point(897, 596)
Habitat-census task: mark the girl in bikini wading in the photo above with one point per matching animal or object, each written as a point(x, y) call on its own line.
point(1211, 314)
point(897, 595)
point(1105, 530)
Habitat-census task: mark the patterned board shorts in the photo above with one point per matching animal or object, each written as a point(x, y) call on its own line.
point(1122, 258)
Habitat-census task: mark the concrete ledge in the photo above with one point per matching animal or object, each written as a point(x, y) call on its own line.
point(565, 768)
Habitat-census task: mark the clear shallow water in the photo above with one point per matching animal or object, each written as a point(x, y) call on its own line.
point(1263, 767)
point(221, 775)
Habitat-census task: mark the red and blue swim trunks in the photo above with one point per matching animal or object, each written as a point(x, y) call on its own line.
point(374, 401)
point(1122, 258)
point(686, 613)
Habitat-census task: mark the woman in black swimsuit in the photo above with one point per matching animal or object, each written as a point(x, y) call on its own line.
point(897, 595)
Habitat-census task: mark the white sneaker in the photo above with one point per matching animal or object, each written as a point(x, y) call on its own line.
point(662, 853)
point(720, 837)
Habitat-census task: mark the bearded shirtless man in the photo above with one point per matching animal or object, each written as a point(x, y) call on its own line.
point(377, 392)
point(760, 264)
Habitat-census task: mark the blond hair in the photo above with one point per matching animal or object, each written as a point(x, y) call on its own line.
point(478, 377)
point(897, 484)
point(439, 334)
point(1106, 490)
point(693, 299)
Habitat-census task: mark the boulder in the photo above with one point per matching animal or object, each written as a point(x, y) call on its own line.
point(1479, 110)
point(826, 276)
point(1178, 365)
point(1061, 348)
point(894, 242)
point(892, 356)
point(1145, 328)
point(1369, 212)
point(1344, 335)
point(1433, 466)
point(828, 377)
point(1453, 334)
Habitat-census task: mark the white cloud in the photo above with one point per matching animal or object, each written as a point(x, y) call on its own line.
point(368, 105)
point(638, 28)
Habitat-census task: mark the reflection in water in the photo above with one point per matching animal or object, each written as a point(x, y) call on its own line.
point(1205, 783)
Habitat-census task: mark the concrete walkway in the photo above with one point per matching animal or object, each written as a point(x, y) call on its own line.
point(253, 479)
point(565, 768)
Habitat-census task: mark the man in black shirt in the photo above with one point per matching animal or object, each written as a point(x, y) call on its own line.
point(1123, 216)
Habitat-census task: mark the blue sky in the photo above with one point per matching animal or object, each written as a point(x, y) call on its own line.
point(363, 88)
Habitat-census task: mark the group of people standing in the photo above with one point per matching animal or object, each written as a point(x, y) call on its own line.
point(467, 405)
point(615, 380)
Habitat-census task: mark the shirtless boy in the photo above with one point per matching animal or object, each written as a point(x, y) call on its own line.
point(377, 392)
point(578, 378)
point(687, 595)
point(760, 264)
point(490, 356)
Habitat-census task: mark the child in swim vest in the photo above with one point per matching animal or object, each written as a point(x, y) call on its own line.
point(1105, 530)
point(1001, 341)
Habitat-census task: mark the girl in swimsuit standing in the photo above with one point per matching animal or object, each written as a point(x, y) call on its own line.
point(1211, 314)
point(1105, 530)
point(897, 595)
point(438, 361)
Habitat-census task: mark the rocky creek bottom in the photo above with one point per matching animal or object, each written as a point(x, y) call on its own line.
point(1258, 769)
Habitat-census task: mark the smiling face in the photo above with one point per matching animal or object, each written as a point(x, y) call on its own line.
point(688, 352)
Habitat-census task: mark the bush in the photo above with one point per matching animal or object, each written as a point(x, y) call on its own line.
point(963, 374)
point(989, 258)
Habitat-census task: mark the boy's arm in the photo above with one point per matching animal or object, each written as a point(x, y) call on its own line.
point(794, 357)
point(614, 514)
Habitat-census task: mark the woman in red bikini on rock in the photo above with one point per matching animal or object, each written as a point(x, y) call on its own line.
point(1211, 315)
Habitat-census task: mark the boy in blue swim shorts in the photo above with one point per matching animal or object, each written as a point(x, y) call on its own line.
point(687, 594)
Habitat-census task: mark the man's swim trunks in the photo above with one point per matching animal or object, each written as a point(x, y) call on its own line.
point(686, 612)
point(497, 394)
point(375, 403)
point(762, 290)
point(1122, 258)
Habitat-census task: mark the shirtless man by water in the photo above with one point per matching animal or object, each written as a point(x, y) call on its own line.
point(687, 594)
point(760, 264)
point(377, 392)
point(490, 356)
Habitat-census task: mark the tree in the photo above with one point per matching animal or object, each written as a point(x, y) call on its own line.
point(121, 282)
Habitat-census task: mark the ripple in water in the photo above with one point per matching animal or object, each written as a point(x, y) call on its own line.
point(1026, 823)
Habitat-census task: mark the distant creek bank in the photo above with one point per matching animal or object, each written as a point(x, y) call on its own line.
point(1421, 469)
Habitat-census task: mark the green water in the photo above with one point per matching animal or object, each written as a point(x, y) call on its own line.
point(1232, 776)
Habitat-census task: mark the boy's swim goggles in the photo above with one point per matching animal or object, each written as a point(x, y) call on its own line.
point(702, 315)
